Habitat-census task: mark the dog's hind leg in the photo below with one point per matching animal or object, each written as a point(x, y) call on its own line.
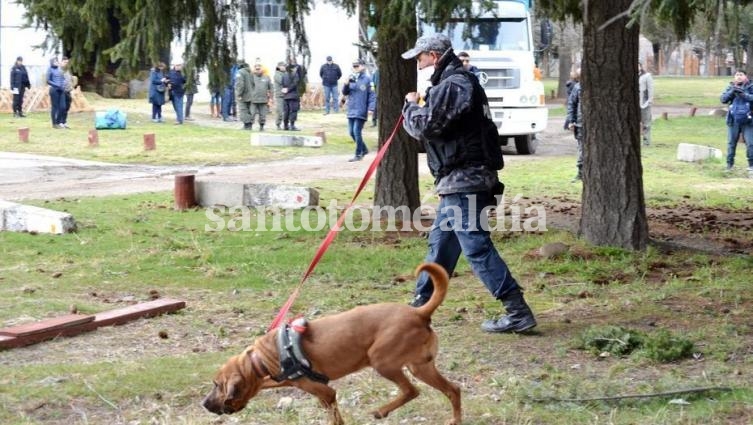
point(407, 390)
point(327, 397)
point(428, 373)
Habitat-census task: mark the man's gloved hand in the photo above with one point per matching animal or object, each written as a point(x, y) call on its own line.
point(353, 78)
point(738, 89)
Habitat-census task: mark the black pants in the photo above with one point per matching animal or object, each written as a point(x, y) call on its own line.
point(291, 111)
point(18, 100)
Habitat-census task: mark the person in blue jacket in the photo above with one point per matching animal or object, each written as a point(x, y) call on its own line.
point(361, 100)
point(739, 94)
point(177, 90)
point(157, 89)
point(56, 81)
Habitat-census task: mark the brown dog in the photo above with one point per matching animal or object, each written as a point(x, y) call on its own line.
point(386, 337)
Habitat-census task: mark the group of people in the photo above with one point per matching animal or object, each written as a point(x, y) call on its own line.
point(168, 85)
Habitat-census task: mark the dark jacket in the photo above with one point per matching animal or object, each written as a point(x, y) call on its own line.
point(361, 97)
point(574, 108)
point(19, 78)
point(330, 73)
point(177, 83)
point(450, 125)
point(156, 97)
point(290, 82)
point(739, 98)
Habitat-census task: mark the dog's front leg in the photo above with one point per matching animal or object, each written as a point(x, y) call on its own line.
point(327, 397)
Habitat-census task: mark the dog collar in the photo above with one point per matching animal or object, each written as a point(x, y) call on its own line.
point(258, 366)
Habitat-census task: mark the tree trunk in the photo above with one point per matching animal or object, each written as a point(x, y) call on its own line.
point(397, 176)
point(614, 211)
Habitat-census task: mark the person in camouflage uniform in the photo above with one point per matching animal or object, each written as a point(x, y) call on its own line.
point(261, 95)
point(243, 93)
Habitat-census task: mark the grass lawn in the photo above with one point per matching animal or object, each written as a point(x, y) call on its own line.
point(156, 371)
point(695, 91)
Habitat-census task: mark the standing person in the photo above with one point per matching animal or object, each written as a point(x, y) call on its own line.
point(56, 81)
point(157, 89)
point(574, 79)
point(300, 74)
point(192, 87)
point(215, 101)
point(739, 94)
point(361, 100)
point(455, 127)
point(19, 82)
point(228, 96)
point(279, 99)
point(177, 91)
point(465, 58)
point(243, 88)
point(646, 98)
point(574, 122)
point(330, 73)
point(292, 99)
point(71, 81)
point(261, 95)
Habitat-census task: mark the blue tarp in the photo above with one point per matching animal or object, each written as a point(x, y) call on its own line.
point(112, 119)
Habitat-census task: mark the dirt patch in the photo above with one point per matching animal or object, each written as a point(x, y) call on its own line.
point(711, 230)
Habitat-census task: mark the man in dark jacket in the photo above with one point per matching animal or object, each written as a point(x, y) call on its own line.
point(574, 122)
point(361, 100)
point(19, 82)
point(739, 95)
point(330, 73)
point(291, 97)
point(177, 90)
point(453, 127)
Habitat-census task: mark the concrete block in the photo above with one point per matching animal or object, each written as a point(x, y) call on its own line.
point(264, 139)
point(210, 193)
point(27, 218)
point(259, 195)
point(693, 153)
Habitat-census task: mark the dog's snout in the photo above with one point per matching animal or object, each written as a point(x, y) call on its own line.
point(211, 405)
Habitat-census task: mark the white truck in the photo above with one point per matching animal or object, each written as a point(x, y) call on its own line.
point(500, 44)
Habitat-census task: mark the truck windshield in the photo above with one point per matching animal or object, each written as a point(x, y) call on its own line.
point(485, 34)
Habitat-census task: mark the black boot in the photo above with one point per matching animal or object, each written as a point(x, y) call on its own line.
point(519, 316)
point(261, 127)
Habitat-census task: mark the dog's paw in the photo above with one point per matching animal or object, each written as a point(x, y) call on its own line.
point(379, 415)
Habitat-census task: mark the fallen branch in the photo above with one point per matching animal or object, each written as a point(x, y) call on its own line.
point(627, 396)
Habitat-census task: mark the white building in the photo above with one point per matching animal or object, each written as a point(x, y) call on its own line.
point(16, 41)
point(330, 31)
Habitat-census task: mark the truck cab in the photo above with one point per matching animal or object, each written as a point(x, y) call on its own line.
point(500, 44)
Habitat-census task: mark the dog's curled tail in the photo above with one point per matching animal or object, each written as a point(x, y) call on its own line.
point(441, 280)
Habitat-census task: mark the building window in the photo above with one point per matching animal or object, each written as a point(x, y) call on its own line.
point(271, 16)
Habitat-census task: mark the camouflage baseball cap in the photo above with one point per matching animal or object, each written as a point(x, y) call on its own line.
point(429, 43)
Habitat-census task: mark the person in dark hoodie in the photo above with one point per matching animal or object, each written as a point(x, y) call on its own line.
point(177, 90)
point(462, 150)
point(56, 81)
point(292, 99)
point(19, 82)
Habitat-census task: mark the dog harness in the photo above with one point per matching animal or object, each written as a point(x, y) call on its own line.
point(293, 362)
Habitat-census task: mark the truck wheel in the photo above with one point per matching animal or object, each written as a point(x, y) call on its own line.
point(526, 144)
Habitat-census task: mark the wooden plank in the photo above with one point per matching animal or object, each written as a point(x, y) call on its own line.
point(47, 325)
point(136, 311)
point(8, 341)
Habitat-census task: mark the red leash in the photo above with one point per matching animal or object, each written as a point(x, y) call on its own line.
point(333, 231)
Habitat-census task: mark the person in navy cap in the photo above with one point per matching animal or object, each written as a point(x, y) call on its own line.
point(19, 82)
point(361, 100)
point(462, 149)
